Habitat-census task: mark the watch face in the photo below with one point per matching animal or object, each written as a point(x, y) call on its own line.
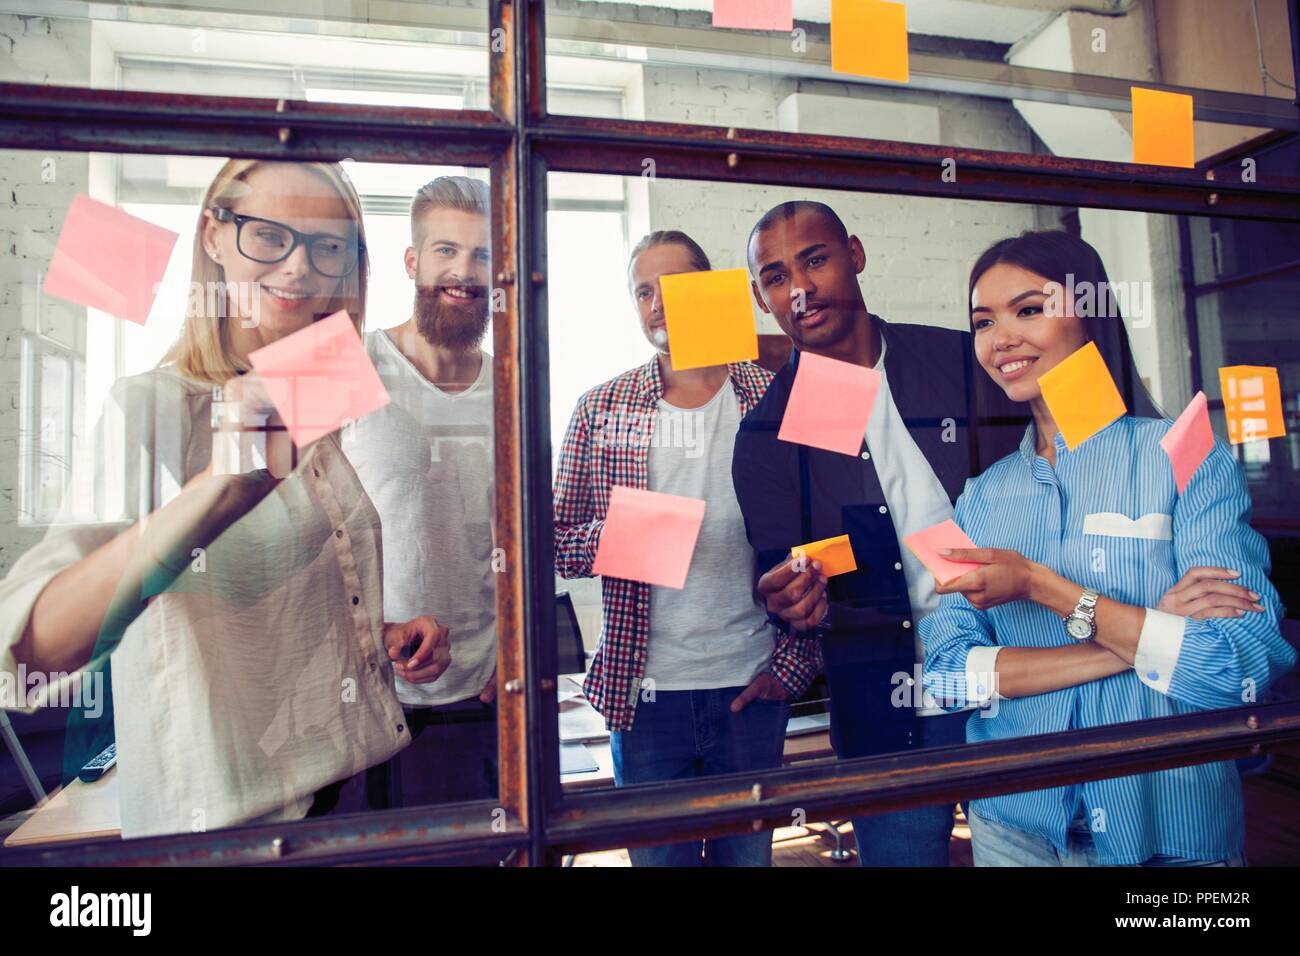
point(1079, 628)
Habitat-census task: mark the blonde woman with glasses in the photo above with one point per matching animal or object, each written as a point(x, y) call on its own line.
point(234, 579)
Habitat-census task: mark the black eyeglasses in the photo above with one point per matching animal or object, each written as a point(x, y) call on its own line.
point(268, 241)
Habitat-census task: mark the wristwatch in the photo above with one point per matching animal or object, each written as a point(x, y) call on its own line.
point(1081, 623)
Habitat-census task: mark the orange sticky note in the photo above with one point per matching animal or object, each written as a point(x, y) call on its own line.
point(1162, 128)
point(926, 544)
point(109, 260)
point(648, 536)
point(1081, 395)
point(1252, 402)
point(1189, 441)
point(710, 318)
point(835, 555)
point(320, 378)
point(869, 38)
point(754, 14)
point(830, 403)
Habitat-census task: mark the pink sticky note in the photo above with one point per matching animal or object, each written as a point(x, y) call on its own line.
point(926, 544)
point(648, 536)
point(1189, 441)
point(754, 14)
point(320, 378)
point(830, 403)
point(109, 260)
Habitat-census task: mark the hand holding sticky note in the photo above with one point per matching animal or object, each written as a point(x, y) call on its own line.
point(830, 404)
point(648, 536)
point(1189, 440)
point(1081, 395)
point(869, 38)
point(109, 260)
point(1252, 402)
point(710, 318)
point(927, 544)
point(834, 554)
point(320, 378)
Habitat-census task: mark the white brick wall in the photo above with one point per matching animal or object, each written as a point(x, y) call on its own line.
point(919, 250)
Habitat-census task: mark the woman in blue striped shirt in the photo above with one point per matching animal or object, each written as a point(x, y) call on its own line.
point(1080, 612)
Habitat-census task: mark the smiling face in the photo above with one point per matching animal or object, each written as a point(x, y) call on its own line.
point(292, 294)
point(806, 252)
point(450, 267)
point(666, 258)
point(1015, 341)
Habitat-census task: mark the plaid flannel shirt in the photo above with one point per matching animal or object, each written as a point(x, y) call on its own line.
point(606, 445)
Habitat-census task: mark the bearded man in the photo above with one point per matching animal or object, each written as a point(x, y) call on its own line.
point(426, 461)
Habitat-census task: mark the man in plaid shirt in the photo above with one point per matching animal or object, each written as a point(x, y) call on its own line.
point(709, 692)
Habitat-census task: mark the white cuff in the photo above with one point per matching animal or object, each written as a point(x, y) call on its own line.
point(982, 674)
point(1158, 647)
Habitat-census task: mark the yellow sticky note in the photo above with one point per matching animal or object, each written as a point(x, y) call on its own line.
point(710, 318)
point(869, 38)
point(1162, 128)
point(1081, 395)
point(835, 555)
point(1252, 402)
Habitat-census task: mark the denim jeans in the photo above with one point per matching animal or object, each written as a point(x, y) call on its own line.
point(692, 733)
point(919, 836)
point(993, 844)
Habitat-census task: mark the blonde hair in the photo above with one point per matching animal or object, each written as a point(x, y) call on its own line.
point(202, 351)
point(448, 192)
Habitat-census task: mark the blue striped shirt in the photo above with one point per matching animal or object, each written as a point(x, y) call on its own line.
point(1024, 504)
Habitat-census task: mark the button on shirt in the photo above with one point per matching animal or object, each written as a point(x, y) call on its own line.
point(250, 684)
point(1109, 517)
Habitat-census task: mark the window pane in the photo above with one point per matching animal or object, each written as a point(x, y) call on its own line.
point(431, 55)
point(269, 523)
point(671, 646)
point(989, 74)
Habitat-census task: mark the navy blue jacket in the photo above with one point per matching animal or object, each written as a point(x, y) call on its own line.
point(793, 494)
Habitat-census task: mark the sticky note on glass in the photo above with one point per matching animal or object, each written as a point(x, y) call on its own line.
point(830, 404)
point(754, 14)
point(869, 38)
point(1081, 395)
point(109, 260)
point(648, 536)
point(835, 555)
point(320, 378)
point(1189, 441)
point(1252, 402)
point(710, 318)
point(1162, 128)
point(926, 544)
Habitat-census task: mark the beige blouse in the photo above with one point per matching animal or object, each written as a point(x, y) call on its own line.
point(260, 675)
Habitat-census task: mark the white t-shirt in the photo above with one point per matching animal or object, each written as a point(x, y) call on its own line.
point(426, 461)
point(711, 633)
point(914, 496)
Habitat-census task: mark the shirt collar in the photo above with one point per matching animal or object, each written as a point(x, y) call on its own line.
point(881, 326)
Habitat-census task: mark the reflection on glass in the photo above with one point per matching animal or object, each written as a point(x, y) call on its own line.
point(1107, 596)
point(989, 74)
point(240, 592)
point(428, 55)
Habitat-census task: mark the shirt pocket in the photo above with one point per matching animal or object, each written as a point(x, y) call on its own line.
point(1130, 559)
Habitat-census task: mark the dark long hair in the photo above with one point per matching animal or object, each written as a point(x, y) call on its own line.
point(1059, 257)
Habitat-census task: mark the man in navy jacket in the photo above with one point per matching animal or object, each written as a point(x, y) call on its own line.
point(914, 459)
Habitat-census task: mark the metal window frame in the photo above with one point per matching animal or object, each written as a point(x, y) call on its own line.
point(533, 822)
